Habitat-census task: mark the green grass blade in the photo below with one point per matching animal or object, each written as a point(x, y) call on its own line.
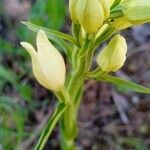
point(125, 84)
point(50, 126)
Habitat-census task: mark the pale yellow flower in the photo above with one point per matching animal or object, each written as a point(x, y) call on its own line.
point(47, 63)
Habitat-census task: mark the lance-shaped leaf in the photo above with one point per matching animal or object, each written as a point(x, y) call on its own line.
point(50, 32)
point(125, 84)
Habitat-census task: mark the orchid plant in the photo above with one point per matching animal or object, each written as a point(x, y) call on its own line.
point(93, 22)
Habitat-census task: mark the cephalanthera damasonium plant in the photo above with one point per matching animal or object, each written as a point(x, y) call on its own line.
point(93, 22)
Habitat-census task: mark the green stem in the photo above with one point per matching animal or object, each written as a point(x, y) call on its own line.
point(76, 33)
point(82, 62)
point(68, 129)
point(68, 123)
point(78, 99)
point(83, 50)
point(78, 75)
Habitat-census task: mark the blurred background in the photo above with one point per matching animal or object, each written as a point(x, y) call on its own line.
point(110, 118)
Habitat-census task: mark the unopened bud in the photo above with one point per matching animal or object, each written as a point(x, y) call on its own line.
point(47, 63)
point(113, 56)
point(91, 14)
point(136, 11)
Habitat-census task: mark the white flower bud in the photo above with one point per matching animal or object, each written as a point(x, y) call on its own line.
point(91, 14)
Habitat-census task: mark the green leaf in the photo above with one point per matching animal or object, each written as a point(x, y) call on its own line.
point(50, 126)
point(55, 36)
point(125, 84)
point(52, 34)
